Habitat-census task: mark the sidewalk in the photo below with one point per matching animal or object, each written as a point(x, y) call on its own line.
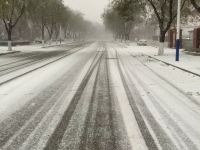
point(33, 47)
point(190, 63)
point(5, 52)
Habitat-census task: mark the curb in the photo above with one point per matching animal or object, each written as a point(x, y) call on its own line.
point(192, 53)
point(56, 45)
point(183, 69)
point(48, 46)
point(9, 53)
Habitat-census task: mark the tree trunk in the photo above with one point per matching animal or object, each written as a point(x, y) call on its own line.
point(50, 32)
point(9, 32)
point(43, 35)
point(127, 37)
point(196, 6)
point(65, 33)
point(162, 41)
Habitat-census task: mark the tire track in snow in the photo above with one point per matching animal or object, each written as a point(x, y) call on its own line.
point(34, 111)
point(169, 82)
point(35, 58)
point(99, 129)
point(75, 128)
point(18, 75)
point(176, 129)
point(31, 55)
point(58, 134)
point(150, 142)
point(21, 120)
point(181, 136)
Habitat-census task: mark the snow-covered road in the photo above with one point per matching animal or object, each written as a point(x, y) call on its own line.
point(103, 97)
point(164, 99)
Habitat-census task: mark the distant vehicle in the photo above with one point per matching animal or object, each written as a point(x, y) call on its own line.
point(142, 42)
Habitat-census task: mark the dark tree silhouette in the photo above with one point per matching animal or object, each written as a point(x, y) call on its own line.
point(11, 12)
point(196, 5)
point(166, 12)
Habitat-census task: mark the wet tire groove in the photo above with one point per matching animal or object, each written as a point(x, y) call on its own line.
point(11, 125)
point(163, 139)
point(99, 130)
point(171, 84)
point(84, 137)
point(56, 137)
point(44, 65)
point(140, 121)
point(182, 135)
point(35, 60)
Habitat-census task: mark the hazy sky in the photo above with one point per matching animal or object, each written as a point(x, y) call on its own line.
point(92, 9)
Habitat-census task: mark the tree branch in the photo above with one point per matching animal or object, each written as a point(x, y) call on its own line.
point(20, 15)
point(196, 6)
point(155, 10)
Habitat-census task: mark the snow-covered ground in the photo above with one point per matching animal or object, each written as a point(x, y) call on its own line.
point(35, 82)
point(3, 52)
point(35, 47)
point(168, 98)
point(112, 97)
point(189, 62)
point(184, 80)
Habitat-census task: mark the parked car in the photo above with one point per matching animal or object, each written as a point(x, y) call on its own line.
point(142, 42)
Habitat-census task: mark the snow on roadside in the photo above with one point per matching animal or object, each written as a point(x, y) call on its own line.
point(177, 112)
point(3, 52)
point(188, 62)
point(34, 47)
point(187, 82)
point(18, 92)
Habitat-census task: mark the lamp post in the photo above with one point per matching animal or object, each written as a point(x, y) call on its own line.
point(178, 42)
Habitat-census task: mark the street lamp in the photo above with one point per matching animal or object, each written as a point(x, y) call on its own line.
point(178, 30)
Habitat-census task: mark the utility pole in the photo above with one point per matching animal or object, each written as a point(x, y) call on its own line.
point(178, 42)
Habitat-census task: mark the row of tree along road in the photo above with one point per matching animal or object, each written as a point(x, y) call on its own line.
point(121, 16)
point(30, 19)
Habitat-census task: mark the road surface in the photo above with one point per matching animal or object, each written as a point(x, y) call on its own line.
point(98, 96)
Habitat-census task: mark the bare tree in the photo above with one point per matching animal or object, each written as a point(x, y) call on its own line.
point(121, 16)
point(45, 16)
point(39, 14)
point(56, 17)
point(11, 12)
point(196, 5)
point(166, 12)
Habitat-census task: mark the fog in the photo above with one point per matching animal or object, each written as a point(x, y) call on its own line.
point(91, 9)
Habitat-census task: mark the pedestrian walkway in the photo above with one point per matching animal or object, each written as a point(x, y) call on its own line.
point(4, 51)
point(187, 61)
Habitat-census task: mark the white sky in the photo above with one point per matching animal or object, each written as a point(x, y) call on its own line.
point(92, 9)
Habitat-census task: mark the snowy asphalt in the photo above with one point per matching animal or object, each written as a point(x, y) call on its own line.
point(97, 96)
